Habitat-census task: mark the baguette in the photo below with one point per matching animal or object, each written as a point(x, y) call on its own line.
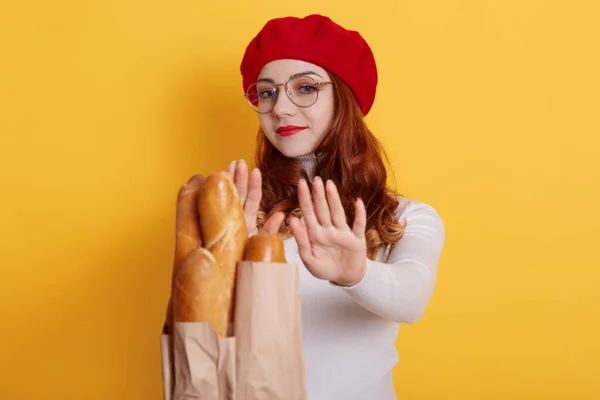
point(265, 247)
point(187, 225)
point(187, 232)
point(223, 229)
point(200, 292)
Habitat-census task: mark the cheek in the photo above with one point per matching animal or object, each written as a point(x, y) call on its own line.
point(266, 123)
point(330, 115)
point(263, 120)
point(322, 117)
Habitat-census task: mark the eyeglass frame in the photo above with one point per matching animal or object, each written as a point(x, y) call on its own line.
point(287, 92)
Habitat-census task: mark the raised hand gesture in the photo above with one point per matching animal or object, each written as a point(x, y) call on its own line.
point(329, 248)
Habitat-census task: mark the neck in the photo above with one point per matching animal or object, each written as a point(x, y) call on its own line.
point(308, 163)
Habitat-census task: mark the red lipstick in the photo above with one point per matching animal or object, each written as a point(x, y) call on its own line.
point(289, 130)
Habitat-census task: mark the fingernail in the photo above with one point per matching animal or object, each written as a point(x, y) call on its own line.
point(317, 178)
point(242, 161)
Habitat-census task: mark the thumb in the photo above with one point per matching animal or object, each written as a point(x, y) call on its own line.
point(273, 223)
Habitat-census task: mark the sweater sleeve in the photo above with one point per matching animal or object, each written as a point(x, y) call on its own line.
point(401, 287)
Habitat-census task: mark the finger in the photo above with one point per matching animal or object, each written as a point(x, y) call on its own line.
point(301, 235)
point(338, 215)
point(241, 180)
point(306, 205)
point(273, 223)
point(254, 193)
point(253, 200)
point(320, 202)
point(231, 170)
point(360, 218)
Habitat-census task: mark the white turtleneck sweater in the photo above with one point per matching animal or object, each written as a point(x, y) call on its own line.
point(350, 333)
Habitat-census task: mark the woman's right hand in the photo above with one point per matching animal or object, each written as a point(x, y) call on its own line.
point(250, 191)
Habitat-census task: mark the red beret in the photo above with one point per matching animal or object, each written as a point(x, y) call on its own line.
point(318, 40)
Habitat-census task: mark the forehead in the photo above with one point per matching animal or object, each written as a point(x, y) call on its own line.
point(282, 70)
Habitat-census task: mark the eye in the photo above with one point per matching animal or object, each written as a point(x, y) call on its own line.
point(266, 94)
point(306, 88)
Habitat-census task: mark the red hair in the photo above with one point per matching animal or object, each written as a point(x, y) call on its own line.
point(352, 157)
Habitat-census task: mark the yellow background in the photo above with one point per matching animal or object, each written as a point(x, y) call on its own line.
point(488, 110)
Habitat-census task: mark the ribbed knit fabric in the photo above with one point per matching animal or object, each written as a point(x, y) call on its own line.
point(308, 163)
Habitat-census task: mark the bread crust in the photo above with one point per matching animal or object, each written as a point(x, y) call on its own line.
point(223, 229)
point(265, 247)
point(200, 293)
point(187, 232)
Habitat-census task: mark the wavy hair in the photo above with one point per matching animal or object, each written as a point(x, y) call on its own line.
point(352, 157)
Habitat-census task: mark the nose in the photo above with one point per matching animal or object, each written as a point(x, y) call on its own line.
point(283, 105)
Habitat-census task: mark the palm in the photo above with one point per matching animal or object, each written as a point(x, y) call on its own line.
point(329, 248)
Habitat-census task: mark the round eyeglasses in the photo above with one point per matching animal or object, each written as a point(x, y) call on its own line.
point(303, 91)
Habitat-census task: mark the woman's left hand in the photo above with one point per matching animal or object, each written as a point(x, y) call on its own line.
point(329, 248)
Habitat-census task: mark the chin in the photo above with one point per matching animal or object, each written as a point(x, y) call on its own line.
point(293, 148)
point(291, 153)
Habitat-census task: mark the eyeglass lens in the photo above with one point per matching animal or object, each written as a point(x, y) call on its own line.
point(303, 92)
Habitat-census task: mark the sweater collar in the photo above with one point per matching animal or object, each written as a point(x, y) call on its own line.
point(308, 163)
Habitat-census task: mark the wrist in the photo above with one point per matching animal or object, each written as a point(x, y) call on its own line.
point(354, 280)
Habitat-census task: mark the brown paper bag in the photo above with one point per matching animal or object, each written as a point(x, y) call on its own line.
point(262, 361)
point(203, 363)
point(268, 332)
point(166, 354)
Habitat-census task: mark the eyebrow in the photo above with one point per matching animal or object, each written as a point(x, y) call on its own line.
point(291, 77)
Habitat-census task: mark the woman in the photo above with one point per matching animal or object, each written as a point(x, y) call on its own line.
point(368, 257)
